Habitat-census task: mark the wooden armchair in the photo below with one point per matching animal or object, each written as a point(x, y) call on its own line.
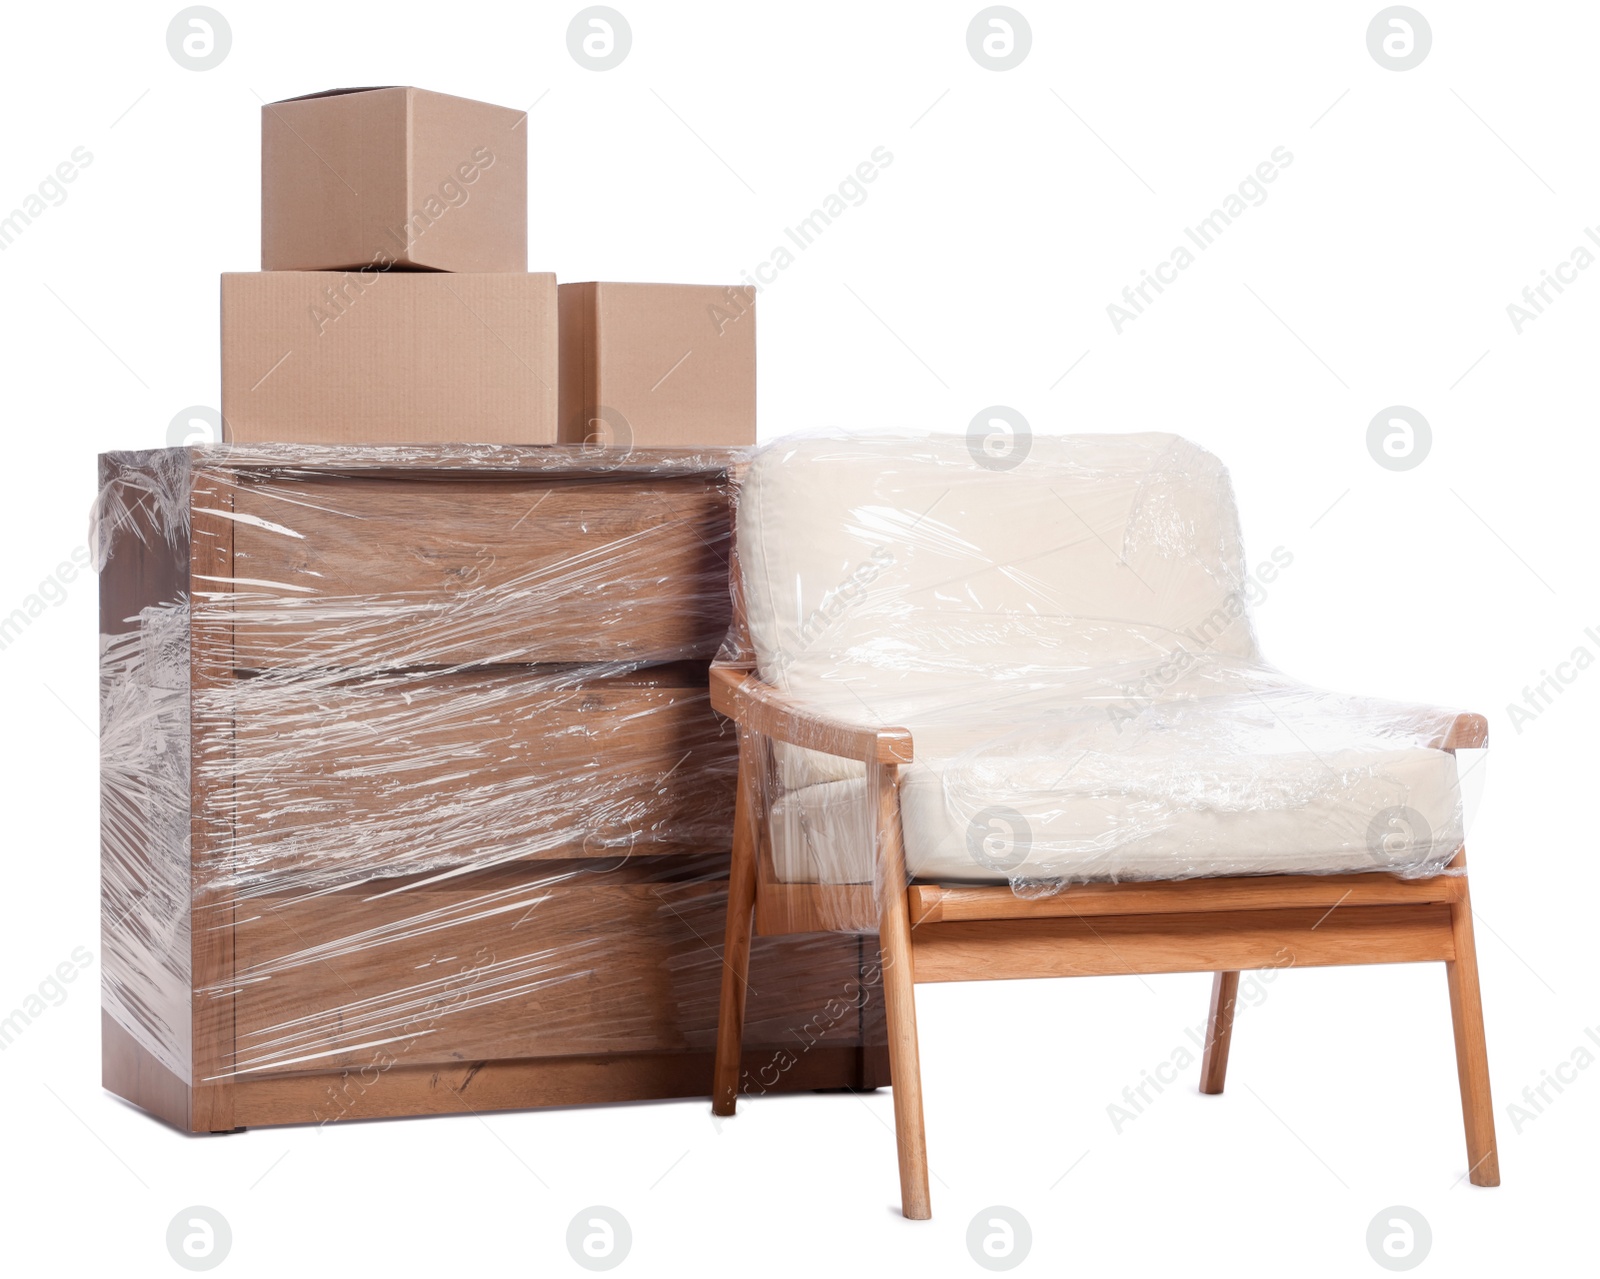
point(929, 933)
point(936, 931)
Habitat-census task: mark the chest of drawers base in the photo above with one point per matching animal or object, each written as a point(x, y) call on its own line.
point(412, 798)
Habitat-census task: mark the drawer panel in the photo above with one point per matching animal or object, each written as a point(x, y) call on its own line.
point(518, 965)
point(361, 571)
point(332, 781)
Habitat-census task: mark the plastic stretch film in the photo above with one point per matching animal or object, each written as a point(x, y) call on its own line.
point(409, 762)
point(1061, 632)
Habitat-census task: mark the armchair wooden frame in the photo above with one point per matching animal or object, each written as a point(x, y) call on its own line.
point(930, 933)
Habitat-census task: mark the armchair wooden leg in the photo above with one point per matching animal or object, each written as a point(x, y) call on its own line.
point(1219, 1031)
point(736, 949)
point(905, 1071)
point(1472, 1057)
point(900, 1004)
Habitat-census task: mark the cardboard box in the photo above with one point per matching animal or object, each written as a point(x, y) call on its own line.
point(390, 177)
point(389, 357)
point(666, 365)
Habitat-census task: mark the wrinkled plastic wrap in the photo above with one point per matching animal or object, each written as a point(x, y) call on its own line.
point(1063, 626)
point(408, 758)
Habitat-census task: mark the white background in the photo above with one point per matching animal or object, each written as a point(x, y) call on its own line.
point(978, 271)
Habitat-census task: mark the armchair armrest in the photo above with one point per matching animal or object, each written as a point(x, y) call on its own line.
point(737, 693)
point(1466, 731)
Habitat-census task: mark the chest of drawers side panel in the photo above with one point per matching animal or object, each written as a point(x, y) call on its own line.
point(141, 549)
point(213, 785)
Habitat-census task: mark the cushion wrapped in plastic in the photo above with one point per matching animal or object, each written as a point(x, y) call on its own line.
point(1066, 634)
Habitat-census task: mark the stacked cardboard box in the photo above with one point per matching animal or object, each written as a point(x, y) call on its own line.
point(394, 304)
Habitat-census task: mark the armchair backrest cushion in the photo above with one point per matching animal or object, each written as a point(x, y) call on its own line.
point(884, 568)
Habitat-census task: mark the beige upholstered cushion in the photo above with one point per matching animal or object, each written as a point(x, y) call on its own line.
point(1068, 641)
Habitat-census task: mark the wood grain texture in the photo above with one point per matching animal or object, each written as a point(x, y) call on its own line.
point(1213, 941)
point(339, 780)
point(738, 694)
point(784, 909)
point(468, 461)
point(473, 1087)
point(1468, 730)
point(130, 1071)
point(211, 830)
point(899, 995)
point(146, 550)
point(512, 963)
point(736, 942)
point(934, 903)
point(1219, 1031)
point(1472, 1053)
point(611, 972)
point(358, 571)
point(146, 556)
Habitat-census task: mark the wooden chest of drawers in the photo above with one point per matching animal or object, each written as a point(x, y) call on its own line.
point(412, 796)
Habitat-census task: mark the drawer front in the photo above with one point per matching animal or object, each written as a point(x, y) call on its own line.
point(359, 571)
point(505, 966)
point(330, 782)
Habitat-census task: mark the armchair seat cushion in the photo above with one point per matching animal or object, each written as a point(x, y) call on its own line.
point(1232, 785)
